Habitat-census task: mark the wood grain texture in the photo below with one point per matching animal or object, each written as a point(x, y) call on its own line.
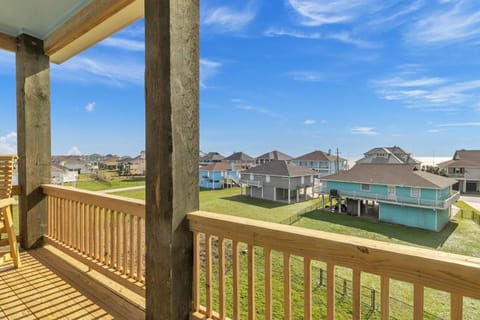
point(438, 270)
point(33, 137)
point(8, 42)
point(356, 294)
point(172, 138)
point(385, 298)
point(86, 19)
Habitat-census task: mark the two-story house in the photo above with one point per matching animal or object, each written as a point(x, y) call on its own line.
point(465, 168)
point(322, 162)
point(280, 181)
point(241, 159)
point(404, 194)
point(388, 155)
point(218, 175)
point(272, 155)
point(211, 157)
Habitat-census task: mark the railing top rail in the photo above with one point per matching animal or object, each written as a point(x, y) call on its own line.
point(438, 270)
point(127, 205)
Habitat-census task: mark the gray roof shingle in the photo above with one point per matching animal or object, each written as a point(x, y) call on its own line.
point(281, 168)
point(391, 174)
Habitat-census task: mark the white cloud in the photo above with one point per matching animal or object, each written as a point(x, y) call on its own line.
point(433, 93)
point(8, 143)
point(275, 32)
point(321, 12)
point(459, 124)
point(226, 19)
point(307, 76)
point(259, 110)
point(343, 37)
point(109, 71)
point(124, 44)
point(433, 131)
point(74, 151)
point(208, 68)
point(309, 122)
point(368, 131)
point(453, 22)
point(90, 106)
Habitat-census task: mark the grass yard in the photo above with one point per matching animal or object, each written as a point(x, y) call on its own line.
point(107, 180)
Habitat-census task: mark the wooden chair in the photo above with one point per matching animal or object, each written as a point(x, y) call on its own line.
point(6, 203)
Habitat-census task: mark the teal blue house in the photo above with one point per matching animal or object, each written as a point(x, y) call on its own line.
point(218, 175)
point(401, 194)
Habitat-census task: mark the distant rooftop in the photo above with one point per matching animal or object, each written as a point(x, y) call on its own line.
point(281, 168)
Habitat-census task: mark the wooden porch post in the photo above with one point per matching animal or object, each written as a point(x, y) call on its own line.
point(172, 147)
point(33, 136)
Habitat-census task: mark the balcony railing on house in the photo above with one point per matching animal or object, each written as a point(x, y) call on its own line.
point(394, 199)
point(107, 233)
point(251, 183)
point(454, 274)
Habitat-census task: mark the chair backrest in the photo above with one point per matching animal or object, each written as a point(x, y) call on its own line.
point(7, 163)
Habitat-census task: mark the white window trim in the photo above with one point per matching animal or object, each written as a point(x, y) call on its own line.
point(365, 184)
point(267, 178)
point(418, 192)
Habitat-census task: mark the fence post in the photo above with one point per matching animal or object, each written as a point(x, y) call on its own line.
point(372, 303)
point(344, 287)
point(321, 277)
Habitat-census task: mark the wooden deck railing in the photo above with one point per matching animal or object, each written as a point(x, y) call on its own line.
point(458, 276)
point(105, 232)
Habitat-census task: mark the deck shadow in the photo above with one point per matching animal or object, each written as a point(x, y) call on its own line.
point(255, 202)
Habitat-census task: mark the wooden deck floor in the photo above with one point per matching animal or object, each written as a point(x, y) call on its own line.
point(48, 287)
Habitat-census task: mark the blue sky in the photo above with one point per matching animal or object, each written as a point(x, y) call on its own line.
point(291, 75)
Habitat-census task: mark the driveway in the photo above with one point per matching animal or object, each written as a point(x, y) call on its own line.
point(472, 200)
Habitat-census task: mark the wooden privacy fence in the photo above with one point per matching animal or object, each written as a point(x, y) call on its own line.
point(105, 232)
point(422, 268)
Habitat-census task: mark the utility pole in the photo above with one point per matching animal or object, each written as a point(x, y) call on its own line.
point(338, 160)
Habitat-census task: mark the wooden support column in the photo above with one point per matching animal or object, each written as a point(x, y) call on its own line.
point(33, 136)
point(172, 147)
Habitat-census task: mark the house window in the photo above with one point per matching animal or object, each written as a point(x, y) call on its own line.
point(311, 179)
point(251, 177)
point(365, 187)
point(267, 178)
point(302, 180)
point(415, 192)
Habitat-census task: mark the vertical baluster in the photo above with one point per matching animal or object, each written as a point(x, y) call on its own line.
point(63, 214)
point(78, 224)
point(91, 214)
point(236, 280)
point(95, 232)
point(287, 296)
point(101, 235)
point(139, 249)
point(417, 302)
point(132, 246)
point(356, 295)
point(106, 227)
point(268, 283)
point(208, 274)
point(456, 306)
point(196, 271)
point(307, 288)
point(385, 297)
point(49, 215)
point(118, 239)
point(221, 277)
point(330, 291)
point(112, 238)
point(125, 243)
point(82, 228)
point(251, 282)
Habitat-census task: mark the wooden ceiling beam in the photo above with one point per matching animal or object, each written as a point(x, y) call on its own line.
point(8, 42)
point(85, 20)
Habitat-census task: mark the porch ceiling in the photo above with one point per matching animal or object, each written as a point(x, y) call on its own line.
point(66, 26)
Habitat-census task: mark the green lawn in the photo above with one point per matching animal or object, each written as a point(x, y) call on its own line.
point(107, 180)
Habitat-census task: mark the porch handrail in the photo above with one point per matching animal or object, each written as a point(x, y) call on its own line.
point(455, 274)
point(104, 231)
point(440, 204)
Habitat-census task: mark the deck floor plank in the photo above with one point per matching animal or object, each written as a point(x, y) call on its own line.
point(47, 287)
